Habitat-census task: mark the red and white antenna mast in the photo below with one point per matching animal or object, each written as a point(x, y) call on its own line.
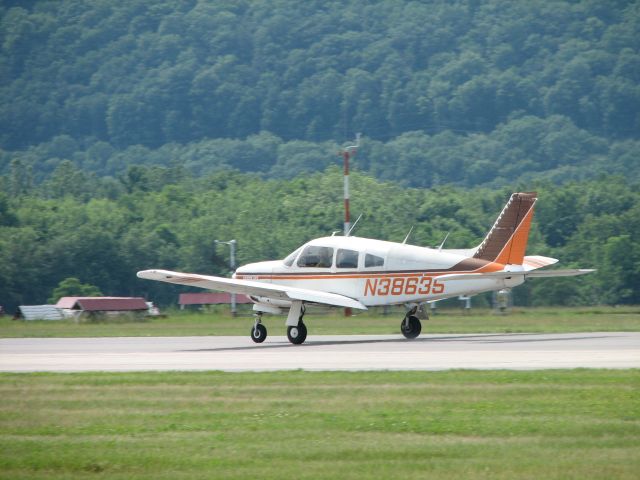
point(347, 153)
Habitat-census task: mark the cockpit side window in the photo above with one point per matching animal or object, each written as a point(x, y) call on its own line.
point(291, 257)
point(316, 256)
point(373, 261)
point(346, 258)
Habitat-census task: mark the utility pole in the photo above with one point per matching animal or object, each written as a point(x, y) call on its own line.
point(232, 263)
point(347, 153)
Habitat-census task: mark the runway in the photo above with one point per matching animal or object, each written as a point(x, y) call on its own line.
point(330, 352)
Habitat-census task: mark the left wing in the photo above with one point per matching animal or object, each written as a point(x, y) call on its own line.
point(248, 287)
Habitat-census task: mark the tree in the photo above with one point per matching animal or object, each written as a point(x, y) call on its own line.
point(71, 287)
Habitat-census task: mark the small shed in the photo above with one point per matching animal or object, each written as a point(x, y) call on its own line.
point(210, 299)
point(39, 312)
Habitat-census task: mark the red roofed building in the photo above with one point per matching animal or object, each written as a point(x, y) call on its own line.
point(107, 304)
point(113, 305)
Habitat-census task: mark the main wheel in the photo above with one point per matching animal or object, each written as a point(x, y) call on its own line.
point(258, 333)
point(411, 327)
point(297, 334)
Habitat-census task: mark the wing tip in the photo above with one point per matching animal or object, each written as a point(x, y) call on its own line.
point(154, 274)
point(144, 273)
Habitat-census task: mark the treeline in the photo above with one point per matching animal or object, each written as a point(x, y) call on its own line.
point(518, 151)
point(466, 92)
point(102, 231)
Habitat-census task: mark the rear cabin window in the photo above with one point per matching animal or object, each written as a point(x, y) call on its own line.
point(315, 256)
point(346, 258)
point(373, 261)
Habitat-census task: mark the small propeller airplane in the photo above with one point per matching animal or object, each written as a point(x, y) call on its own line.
point(354, 272)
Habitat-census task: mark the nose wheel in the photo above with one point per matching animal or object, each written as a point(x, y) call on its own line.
point(259, 331)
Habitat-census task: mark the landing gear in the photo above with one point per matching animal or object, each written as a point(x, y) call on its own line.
point(297, 334)
point(411, 326)
point(259, 331)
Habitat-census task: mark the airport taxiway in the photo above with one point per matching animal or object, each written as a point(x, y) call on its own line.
point(323, 352)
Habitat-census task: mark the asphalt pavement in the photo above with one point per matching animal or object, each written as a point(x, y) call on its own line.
point(323, 352)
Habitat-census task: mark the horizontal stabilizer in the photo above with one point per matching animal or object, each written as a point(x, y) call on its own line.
point(528, 274)
point(532, 262)
point(569, 272)
point(251, 288)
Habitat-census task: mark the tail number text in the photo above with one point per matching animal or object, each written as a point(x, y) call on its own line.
point(402, 286)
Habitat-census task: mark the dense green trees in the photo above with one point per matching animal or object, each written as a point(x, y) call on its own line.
point(518, 151)
point(72, 287)
point(150, 219)
point(466, 91)
point(124, 126)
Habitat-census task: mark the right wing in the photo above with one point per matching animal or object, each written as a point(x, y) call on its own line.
point(248, 287)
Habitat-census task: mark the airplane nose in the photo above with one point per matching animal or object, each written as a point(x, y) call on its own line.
point(239, 271)
point(255, 271)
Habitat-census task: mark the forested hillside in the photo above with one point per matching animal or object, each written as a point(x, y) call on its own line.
point(102, 231)
point(133, 134)
point(466, 92)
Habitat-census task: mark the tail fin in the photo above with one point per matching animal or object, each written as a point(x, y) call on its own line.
point(507, 240)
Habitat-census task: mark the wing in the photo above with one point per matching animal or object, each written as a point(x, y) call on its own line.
point(248, 287)
point(528, 274)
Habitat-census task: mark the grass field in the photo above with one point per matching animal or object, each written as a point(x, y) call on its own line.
point(551, 320)
point(582, 424)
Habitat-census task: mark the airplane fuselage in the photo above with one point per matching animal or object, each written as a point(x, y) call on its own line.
point(376, 272)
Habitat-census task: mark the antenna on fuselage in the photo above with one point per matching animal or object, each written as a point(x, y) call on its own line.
point(445, 239)
point(407, 237)
point(353, 226)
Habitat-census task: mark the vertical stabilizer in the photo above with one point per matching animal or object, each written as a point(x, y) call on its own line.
point(507, 240)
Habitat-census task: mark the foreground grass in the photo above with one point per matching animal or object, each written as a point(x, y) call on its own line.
point(479, 425)
point(549, 320)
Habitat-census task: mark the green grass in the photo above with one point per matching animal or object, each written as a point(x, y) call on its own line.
point(551, 320)
point(462, 424)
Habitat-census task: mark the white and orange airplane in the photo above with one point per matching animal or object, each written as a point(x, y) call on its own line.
point(353, 272)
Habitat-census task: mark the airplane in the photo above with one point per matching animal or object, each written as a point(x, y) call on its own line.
point(357, 273)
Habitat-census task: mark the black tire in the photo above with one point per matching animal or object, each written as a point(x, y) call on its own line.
point(297, 335)
point(412, 328)
point(259, 333)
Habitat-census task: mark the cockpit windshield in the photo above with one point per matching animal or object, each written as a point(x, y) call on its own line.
point(291, 257)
